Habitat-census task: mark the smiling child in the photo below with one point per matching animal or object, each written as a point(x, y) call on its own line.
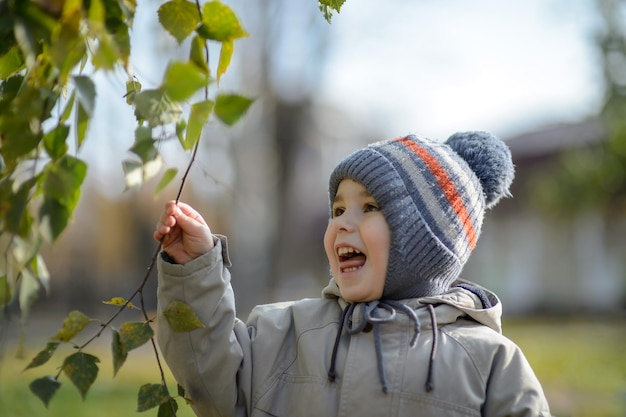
point(396, 331)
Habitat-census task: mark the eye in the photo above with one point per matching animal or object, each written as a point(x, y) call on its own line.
point(338, 211)
point(371, 207)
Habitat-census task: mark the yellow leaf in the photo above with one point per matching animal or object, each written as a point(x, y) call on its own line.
point(119, 301)
point(226, 54)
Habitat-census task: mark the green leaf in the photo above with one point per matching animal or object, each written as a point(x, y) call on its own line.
point(121, 37)
point(226, 53)
point(328, 7)
point(182, 80)
point(133, 173)
point(167, 177)
point(333, 4)
point(165, 409)
point(68, 48)
point(136, 173)
point(107, 53)
point(63, 179)
point(135, 334)
point(68, 108)
point(53, 218)
point(43, 356)
point(181, 125)
point(11, 62)
point(23, 250)
point(197, 54)
point(132, 87)
point(82, 369)
point(86, 93)
point(96, 15)
point(156, 108)
point(55, 141)
point(128, 7)
point(220, 23)
point(39, 268)
point(229, 108)
point(29, 291)
point(22, 108)
point(199, 115)
point(45, 388)
point(152, 168)
point(61, 187)
point(119, 353)
point(181, 317)
point(179, 18)
point(73, 324)
point(82, 124)
point(151, 395)
point(144, 144)
point(16, 216)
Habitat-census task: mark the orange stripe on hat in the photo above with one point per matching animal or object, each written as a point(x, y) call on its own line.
point(447, 186)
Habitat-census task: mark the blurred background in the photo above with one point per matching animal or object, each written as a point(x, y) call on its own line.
point(546, 76)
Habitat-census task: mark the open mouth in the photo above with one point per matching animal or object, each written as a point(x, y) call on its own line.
point(350, 259)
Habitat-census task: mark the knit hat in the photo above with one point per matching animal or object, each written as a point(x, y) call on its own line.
point(433, 196)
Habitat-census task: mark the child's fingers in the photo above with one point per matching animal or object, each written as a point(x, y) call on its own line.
point(181, 226)
point(157, 236)
point(166, 222)
point(161, 230)
point(187, 211)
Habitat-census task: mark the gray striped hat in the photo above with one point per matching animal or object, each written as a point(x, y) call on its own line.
point(433, 196)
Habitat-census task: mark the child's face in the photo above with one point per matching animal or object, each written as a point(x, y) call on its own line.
point(357, 243)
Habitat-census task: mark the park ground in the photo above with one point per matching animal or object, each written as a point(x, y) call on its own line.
point(580, 362)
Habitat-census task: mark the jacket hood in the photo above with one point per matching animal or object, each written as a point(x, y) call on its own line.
point(450, 306)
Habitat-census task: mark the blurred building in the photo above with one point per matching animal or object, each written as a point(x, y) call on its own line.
point(564, 262)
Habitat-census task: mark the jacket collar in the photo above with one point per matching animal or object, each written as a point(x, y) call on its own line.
point(457, 302)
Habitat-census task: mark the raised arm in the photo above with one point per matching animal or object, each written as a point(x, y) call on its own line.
point(206, 362)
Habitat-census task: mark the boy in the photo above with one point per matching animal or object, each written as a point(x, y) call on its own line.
point(396, 333)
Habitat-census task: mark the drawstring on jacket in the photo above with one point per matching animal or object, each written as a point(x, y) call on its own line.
point(430, 385)
point(370, 316)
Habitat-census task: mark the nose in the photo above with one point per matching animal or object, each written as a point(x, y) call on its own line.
point(346, 222)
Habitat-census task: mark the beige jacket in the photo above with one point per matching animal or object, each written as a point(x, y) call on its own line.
point(277, 363)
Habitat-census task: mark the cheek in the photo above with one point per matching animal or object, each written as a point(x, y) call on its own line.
point(381, 245)
point(329, 244)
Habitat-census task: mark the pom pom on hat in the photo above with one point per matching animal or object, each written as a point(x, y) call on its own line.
point(433, 196)
point(490, 159)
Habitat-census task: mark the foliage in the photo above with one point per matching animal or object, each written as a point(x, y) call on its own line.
point(82, 368)
point(49, 53)
point(47, 100)
point(595, 176)
point(328, 7)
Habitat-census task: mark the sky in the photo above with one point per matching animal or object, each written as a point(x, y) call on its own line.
point(429, 67)
point(435, 67)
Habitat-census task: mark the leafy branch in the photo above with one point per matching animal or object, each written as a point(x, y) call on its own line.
point(47, 100)
point(62, 175)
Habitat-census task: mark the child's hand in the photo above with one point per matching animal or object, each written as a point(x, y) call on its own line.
point(183, 233)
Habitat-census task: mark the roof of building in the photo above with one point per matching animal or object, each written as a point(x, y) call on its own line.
point(554, 139)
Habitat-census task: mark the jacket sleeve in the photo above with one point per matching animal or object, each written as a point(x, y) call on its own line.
point(210, 363)
point(513, 390)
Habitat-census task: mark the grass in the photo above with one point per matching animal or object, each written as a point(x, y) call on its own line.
point(108, 396)
point(581, 365)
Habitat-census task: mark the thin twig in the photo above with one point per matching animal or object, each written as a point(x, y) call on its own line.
point(139, 290)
